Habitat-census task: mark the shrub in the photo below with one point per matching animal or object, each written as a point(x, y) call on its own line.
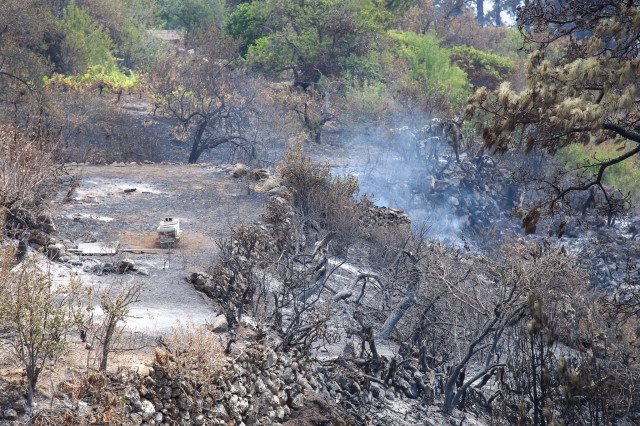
point(35, 314)
point(322, 200)
point(430, 65)
point(482, 68)
point(28, 172)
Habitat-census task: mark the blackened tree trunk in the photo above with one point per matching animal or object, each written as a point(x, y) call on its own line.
point(197, 138)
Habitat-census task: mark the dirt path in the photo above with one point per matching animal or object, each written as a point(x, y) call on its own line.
point(206, 199)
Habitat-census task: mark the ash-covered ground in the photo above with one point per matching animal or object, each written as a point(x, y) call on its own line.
point(103, 208)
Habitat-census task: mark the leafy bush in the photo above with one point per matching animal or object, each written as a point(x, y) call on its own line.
point(323, 201)
point(35, 314)
point(430, 64)
point(246, 22)
point(315, 190)
point(97, 77)
point(482, 68)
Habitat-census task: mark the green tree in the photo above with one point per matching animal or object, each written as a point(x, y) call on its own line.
point(191, 15)
point(316, 38)
point(430, 68)
point(27, 29)
point(86, 42)
point(585, 94)
point(127, 23)
point(248, 23)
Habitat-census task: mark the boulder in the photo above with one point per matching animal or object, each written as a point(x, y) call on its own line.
point(259, 174)
point(125, 265)
point(56, 250)
point(147, 410)
point(142, 370)
point(240, 170)
point(270, 359)
point(269, 184)
point(11, 414)
point(220, 324)
point(20, 405)
point(199, 280)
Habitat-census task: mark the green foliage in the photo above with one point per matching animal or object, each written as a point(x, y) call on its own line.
point(315, 38)
point(430, 64)
point(482, 68)
point(128, 22)
point(246, 22)
point(623, 176)
point(514, 43)
point(86, 43)
point(97, 77)
point(191, 15)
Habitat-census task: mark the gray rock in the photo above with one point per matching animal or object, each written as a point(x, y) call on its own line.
point(280, 413)
point(142, 370)
point(419, 380)
point(125, 265)
point(270, 359)
point(377, 391)
point(342, 295)
point(220, 412)
point(260, 387)
point(136, 419)
point(131, 395)
point(11, 414)
point(199, 419)
point(220, 324)
point(410, 390)
point(199, 280)
point(296, 402)
point(55, 251)
point(147, 410)
point(240, 170)
point(20, 405)
point(142, 271)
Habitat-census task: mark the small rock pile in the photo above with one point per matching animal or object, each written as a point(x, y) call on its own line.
point(266, 182)
point(375, 216)
point(478, 192)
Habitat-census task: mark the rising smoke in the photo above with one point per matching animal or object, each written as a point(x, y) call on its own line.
point(398, 166)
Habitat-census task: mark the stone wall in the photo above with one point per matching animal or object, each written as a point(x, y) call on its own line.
point(257, 387)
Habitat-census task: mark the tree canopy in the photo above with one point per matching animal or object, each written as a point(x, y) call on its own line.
point(581, 86)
